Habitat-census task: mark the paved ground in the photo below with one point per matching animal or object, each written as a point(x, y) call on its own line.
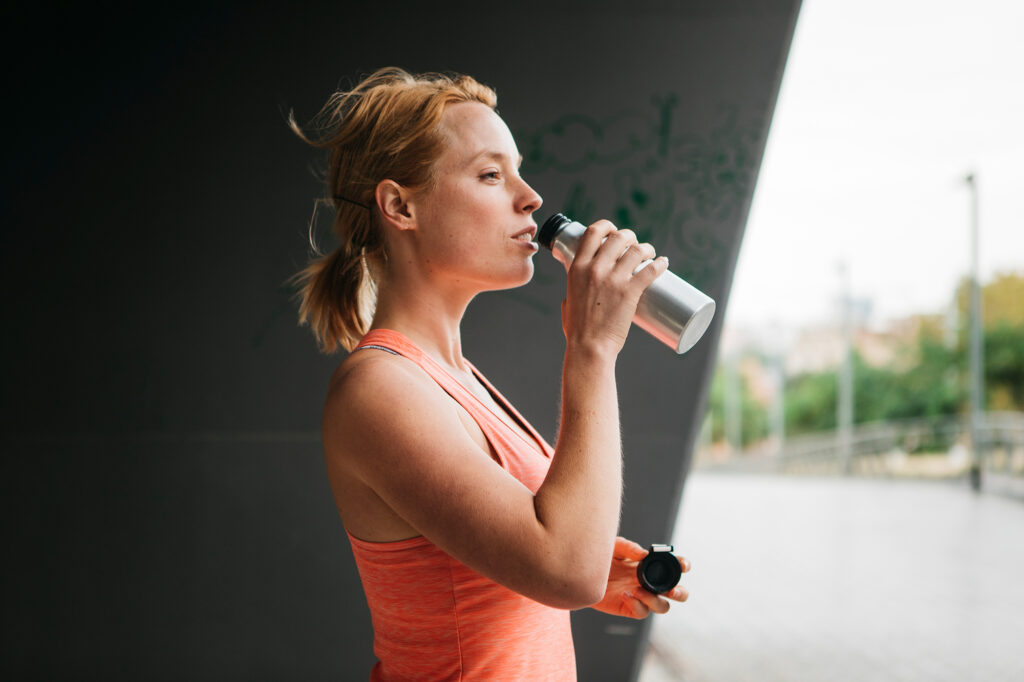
point(811, 579)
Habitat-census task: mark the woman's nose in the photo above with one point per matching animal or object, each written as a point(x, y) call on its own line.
point(530, 200)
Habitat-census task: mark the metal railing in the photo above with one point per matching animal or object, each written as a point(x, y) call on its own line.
point(937, 447)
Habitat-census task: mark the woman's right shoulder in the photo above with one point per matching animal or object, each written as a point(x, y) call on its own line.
point(369, 372)
point(384, 411)
point(371, 386)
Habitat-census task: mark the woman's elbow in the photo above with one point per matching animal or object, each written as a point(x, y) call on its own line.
point(569, 578)
point(579, 592)
point(587, 599)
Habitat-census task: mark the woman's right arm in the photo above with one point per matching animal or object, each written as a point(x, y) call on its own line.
point(581, 497)
point(393, 429)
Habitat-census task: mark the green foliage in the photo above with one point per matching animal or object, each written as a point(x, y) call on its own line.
point(753, 415)
point(929, 381)
point(877, 392)
point(933, 386)
point(811, 401)
point(1002, 300)
point(1004, 366)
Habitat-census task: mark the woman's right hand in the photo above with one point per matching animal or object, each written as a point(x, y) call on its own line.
point(603, 291)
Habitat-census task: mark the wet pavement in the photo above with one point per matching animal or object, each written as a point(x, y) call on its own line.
point(809, 579)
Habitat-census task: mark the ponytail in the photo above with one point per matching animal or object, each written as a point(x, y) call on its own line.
point(337, 296)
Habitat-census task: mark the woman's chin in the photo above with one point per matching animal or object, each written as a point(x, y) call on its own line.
point(526, 276)
point(514, 280)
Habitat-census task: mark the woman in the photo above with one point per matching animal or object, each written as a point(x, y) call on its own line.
point(472, 535)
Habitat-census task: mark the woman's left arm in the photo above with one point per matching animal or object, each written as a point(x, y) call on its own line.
point(624, 596)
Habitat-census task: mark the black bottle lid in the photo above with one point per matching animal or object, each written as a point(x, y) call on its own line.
point(659, 571)
point(550, 228)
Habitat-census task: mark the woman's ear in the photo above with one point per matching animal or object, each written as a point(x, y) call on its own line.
point(393, 203)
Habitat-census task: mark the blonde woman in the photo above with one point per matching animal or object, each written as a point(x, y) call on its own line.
point(473, 536)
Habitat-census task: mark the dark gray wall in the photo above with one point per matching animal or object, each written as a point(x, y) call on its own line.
point(165, 507)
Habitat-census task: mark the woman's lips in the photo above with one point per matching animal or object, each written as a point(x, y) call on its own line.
point(526, 238)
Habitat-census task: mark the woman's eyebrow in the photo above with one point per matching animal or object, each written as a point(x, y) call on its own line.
point(497, 156)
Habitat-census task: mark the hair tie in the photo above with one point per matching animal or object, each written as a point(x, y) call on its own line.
point(338, 197)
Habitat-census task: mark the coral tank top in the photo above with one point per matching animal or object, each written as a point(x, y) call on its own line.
point(433, 617)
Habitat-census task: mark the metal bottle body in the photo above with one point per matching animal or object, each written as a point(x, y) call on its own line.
point(670, 310)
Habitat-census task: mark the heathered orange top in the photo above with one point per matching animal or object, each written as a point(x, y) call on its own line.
point(433, 617)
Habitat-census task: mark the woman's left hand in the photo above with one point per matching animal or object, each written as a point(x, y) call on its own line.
point(624, 596)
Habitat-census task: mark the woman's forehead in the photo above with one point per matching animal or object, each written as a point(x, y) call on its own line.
point(474, 130)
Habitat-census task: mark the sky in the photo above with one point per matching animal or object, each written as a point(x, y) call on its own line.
point(885, 107)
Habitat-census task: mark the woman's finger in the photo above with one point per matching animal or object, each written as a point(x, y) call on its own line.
point(678, 593)
point(637, 606)
point(592, 240)
point(633, 257)
point(653, 602)
point(613, 248)
point(646, 275)
point(627, 549)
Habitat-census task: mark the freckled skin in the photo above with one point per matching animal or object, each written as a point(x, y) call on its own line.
point(430, 472)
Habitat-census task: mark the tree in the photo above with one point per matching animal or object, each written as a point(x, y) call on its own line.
point(1004, 366)
point(928, 380)
point(753, 415)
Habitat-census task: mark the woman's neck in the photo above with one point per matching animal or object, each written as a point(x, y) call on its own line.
point(430, 320)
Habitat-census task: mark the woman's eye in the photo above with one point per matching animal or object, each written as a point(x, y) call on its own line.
point(492, 175)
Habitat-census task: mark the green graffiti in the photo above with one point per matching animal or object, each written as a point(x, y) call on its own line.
point(575, 142)
point(579, 205)
point(673, 189)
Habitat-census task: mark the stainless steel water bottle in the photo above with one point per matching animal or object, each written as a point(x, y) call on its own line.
point(670, 310)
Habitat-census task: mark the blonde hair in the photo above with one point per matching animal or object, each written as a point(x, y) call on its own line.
point(386, 128)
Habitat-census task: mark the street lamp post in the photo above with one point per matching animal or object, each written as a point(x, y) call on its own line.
point(976, 366)
point(844, 402)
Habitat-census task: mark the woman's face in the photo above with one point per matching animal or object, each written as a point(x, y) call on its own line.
point(475, 225)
